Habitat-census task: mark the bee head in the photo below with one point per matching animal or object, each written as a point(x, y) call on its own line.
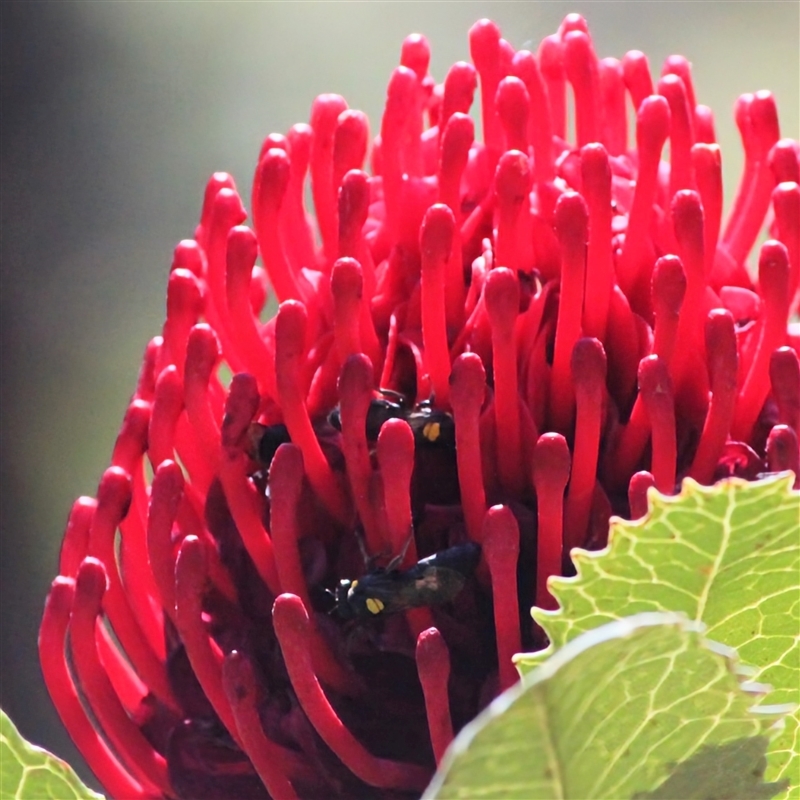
point(343, 607)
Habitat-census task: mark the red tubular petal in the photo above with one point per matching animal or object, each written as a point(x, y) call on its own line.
point(681, 133)
point(723, 366)
point(784, 160)
point(704, 125)
point(551, 468)
point(782, 451)
point(292, 627)
point(436, 242)
point(415, 54)
point(347, 288)
point(298, 233)
point(190, 578)
point(113, 500)
point(501, 551)
point(185, 304)
point(52, 636)
point(132, 438)
point(166, 493)
point(75, 543)
point(512, 104)
point(633, 266)
point(167, 408)
point(573, 22)
point(325, 113)
point(146, 383)
point(551, 60)
point(786, 202)
point(349, 144)
point(433, 666)
point(571, 223)
point(290, 348)
point(501, 294)
point(459, 91)
point(540, 125)
point(655, 387)
point(708, 177)
point(216, 183)
point(468, 389)
point(784, 378)
point(512, 186)
point(457, 139)
point(596, 183)
point(669, 289)
point(612, 105)
point(758, 181)
point(637, 493)
point(267, 758)
point(773, 278)
point(638, 81)
point(144, 763)
point(396, 460)
point(255, 355)
point(580, 64)
point(202, 356)
point(589, 377)
point(190, 256)
point(484, 48)
point(353, 211)
point(680, 66)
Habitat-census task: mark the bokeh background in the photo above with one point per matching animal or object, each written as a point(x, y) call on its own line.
point(114, 114)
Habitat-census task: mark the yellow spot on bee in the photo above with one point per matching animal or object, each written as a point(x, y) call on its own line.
point(431, 431)
point(374, 606)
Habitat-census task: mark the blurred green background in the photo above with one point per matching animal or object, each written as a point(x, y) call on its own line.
point(114, 114)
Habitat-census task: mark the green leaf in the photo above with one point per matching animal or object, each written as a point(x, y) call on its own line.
point(28, 772)
point(727, 556)
point(635, 708)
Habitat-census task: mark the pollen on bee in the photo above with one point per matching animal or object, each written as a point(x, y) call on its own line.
point(431, 431)
point(374, 606)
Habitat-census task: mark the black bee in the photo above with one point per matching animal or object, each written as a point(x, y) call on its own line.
point(433, 580)
point(265, 441)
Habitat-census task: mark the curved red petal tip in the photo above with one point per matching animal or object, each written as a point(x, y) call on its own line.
point(571, 220)
point(92, 582)
point(500, 536)
point(217, 182)
point(355, 381)
point(167, 407)
point(275, 169)
point(274, 140)
point(704, 128)
point(578, 54)
point(654, 377)
point(460, 84)
point(396, 447)
point(784, 377)
point(773, 272)
point(346, 280)
point(573, 22)
point(551, 57)
point(202, 353)
point(588, 366)
point(400, 100)
point(353, 209)
point(189, 255)
point(415, 54)
point(652, 123)
point(551, 461)
point(512, 103)
point(467, 382)
point(513, 178)
point(457, 139)
point(227, 209)
point(184, 295)
point(168, 483)
point(721, 350)
point(669, 285)
point(764, 119)
point(484, 45)
point(132, 439)
point(114, 494)
point(350, 140)
point(687, 216)
point(637, 493)
point(286, 474)
point(436, 236)
point(190, 567)
point(501, 293)
point(241, 406)
point(784, 159)
point(146, 381)
point(595, 168)
point(299, 138)
point(75, 544)
point(290, 616)
point(782, 450)
point(242, 249)
point(433, 655)
point(325, 112)
point(680, 66)
point(636, 72)
point(290, 332)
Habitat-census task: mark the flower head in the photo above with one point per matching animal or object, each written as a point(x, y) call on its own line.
point(483, 349)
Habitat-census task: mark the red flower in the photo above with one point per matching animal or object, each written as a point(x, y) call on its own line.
point(583, 325)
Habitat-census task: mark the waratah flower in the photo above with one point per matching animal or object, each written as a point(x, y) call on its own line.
point(499, 342)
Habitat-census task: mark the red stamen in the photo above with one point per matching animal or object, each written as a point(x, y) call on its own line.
point(353, 212)
point(75, 543)
point(633, 266)
point(571, 223)
point(144, 763)
point(512, 104)
point(636, 71)
point(267, 758)
point(468, 389)
point(669, 289)
point(132, 438)
point(786, 202)
point(130, 689)
point(588, 366)
point(459, 92)
point(512, 186)
point(773, 278)
point(704, 125)
point(113, 500)
point(484, 47)
point(637, 493)
point(723, 367)
point(436, 242)
point(290, 348)
point(784, 378)
point(167, 407)
point(784, 160)
point(433, 666)
point(551, 61)
point(52, 635)
point(551, 468)
point(146, 382)
point(681, 133)
point(782, 451)
point(457, 140)
point(540, 125)
point(580, 64)
point(292, 627)
point(596, 189)
point(202, 357)
point(680, 66)
point(501, 551)
point(612, 106)
point(573, 22)
point(190, 256)
point(298, 233)
point(708, 176)
point(256, 356)
point(185, 304)
point(347, 289)
point(190, 578)
point(349, 144)
point(216, 183)
point(655, 388)
point(623, 359)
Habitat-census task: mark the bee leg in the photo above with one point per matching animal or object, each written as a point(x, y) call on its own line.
point(398, 559)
